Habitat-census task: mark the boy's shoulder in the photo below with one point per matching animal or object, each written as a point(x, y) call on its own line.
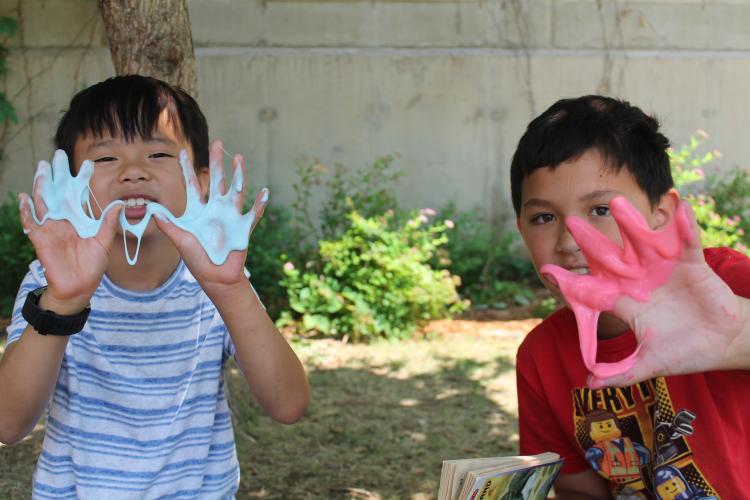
point(732, 267)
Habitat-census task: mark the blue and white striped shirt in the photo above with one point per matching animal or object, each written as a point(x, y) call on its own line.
point(139, 409)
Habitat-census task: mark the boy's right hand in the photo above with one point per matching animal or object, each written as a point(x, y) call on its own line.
point(73, 266)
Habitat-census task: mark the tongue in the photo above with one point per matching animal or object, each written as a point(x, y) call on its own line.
point(135, 212)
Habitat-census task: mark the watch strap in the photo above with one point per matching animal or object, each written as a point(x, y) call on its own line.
point(49, 322)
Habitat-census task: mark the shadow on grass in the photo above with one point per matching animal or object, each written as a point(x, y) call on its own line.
point(370, 434)
point(17, 464)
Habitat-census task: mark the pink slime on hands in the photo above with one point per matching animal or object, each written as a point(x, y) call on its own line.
point(643, 264)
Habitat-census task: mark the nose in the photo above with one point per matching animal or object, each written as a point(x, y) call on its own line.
point(565, 242)
point(133, 171)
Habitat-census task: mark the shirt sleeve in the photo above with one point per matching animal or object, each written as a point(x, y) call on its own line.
point(34, 279)
point(733, 267)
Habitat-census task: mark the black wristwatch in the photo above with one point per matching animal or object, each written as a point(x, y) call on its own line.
point(48, 322)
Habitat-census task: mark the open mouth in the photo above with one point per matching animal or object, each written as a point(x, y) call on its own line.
point(135, 208)
point(580, 270)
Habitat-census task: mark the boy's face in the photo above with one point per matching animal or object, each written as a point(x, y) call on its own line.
point(137, 172)
point(582, 187)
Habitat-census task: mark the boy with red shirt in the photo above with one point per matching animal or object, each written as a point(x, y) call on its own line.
point(681, 410)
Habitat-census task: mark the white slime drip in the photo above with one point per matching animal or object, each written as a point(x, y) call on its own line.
point(217, 225)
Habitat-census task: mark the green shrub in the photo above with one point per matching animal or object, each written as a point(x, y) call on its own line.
point(731, 193)
point(369, 190)
point(16, 252)
point(373, 281)
point(718, 228)
point(272, 240)
point(493, 268)
point(291, 236)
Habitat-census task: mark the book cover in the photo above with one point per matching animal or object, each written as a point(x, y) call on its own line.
point(499, 478)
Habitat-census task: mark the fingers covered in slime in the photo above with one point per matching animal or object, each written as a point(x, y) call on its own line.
point(218, 224)
point(643, 264)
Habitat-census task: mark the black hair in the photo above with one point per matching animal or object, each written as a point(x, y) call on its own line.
point(623, 134)
point(129, 107)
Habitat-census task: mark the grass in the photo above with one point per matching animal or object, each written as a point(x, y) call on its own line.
point(382, 417)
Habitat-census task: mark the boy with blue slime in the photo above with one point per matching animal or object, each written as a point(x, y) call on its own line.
point(127, 352)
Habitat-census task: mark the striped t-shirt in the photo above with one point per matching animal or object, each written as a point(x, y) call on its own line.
point(139, 408)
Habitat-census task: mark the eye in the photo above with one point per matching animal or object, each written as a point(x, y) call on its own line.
point(600, 211)
point(161, 155)
point(103, 159)
point(544, 218)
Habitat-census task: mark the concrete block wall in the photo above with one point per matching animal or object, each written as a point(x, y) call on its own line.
point(449, 86)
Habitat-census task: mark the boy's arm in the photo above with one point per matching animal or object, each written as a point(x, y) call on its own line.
point(28, 373)
point(270, 366)
point(73, 269)
point(586, 485)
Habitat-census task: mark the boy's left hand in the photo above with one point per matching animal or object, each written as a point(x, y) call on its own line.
point(214, 279)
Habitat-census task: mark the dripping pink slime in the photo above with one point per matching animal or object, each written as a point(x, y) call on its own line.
point(643, 264)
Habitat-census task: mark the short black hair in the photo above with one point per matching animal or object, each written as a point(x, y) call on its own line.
point(129, 106)
point(623, 134)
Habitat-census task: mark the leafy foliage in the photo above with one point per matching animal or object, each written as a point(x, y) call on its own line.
point(373, 281)
point(270, 243)
point(719, 226)
point(16, 252)
point(493, 268)
point(731, 194)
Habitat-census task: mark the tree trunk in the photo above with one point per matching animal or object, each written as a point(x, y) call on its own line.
point(151, 38)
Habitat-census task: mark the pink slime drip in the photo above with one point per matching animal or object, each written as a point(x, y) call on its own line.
point(643, 264)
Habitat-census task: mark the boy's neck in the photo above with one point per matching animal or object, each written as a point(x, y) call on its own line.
point(610, 326)
point(157, 260)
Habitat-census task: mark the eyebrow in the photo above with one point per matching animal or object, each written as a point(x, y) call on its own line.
point(593, 195)
point(537, 202)
point(160, 140)
point(99, 144)
point(109, 142)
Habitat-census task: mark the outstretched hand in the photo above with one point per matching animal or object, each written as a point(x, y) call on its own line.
point(73, 265)
point(686, 319)
point(212, 222)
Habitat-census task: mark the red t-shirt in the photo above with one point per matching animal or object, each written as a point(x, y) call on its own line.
point(690, 431)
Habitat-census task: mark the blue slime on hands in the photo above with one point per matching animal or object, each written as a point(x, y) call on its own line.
point(65, 196)
point(217, 225)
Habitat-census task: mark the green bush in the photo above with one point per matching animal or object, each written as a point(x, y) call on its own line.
point(16, 252)
point(494, 270)
point(272, 240)
point(718, 227)
point(731, 194)
point(291, 236)
point(373, 281)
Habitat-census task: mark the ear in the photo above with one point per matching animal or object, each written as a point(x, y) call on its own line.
point(204, 179)
point(665, 208)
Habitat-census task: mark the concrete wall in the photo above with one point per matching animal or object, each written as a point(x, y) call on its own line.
point(449, 86)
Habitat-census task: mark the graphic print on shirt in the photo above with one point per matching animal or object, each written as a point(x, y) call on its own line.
point(633, 437)
point(675, 475)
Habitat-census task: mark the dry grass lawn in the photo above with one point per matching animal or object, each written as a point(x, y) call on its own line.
point(381, 420)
